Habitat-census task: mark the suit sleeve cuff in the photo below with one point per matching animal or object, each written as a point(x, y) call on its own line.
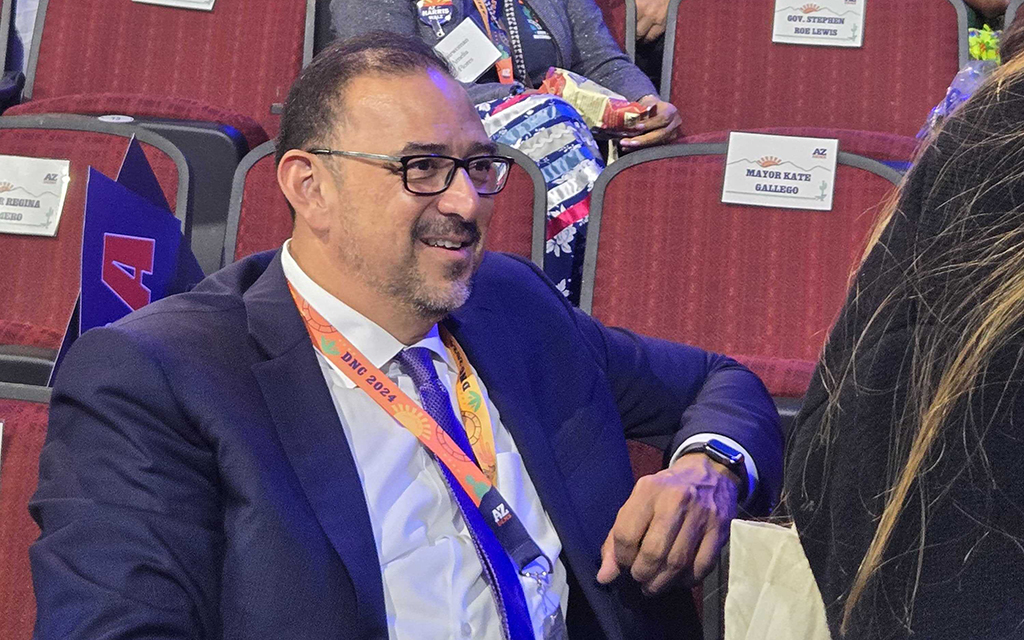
point(748, 461)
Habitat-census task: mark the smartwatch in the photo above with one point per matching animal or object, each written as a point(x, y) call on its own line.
point(726, 456)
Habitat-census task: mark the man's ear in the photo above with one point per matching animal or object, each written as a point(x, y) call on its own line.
point(302, 180)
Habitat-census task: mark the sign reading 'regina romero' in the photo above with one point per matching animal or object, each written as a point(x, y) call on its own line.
point(789, 172)
point(829, 23)
point(32, 192)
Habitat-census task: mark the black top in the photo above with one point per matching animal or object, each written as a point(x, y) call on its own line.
point(538, 47)
point(971, 582)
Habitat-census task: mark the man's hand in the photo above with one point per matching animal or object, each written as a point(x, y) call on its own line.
point(673, 525)
point(661, 128)
point(651, 16)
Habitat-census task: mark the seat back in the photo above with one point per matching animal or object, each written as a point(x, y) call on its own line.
point(43, 274)
point(258, 218)
point(884, 147)
point(645, 459)
point(762, 284)
point(520, 210)
point(23, 412)
point(891, 149)
point(911, 51)
point(1012, 14)
point(243, 55)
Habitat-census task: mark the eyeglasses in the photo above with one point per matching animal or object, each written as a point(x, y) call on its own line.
point(430, 174)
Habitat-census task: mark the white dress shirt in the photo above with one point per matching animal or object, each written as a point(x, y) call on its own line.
point(434, 585)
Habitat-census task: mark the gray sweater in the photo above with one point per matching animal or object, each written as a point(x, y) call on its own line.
point(583, 43)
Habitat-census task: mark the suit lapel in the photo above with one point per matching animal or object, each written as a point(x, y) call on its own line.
point(313, 439)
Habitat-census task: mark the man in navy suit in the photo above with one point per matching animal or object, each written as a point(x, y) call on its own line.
point(212, 472)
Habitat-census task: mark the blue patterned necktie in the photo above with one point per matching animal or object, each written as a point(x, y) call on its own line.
point(502, 575)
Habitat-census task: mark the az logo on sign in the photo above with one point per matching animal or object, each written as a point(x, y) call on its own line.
point(125, 259)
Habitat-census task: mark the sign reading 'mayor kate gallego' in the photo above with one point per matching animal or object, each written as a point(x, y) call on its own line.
point(780, 171)
point(829, 23)
point(32, 192)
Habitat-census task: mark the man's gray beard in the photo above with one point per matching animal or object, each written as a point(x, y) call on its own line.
point(437, 307)
point(432, 305)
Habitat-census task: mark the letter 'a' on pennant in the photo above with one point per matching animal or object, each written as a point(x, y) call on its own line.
point(129, 252)
point(132, 248)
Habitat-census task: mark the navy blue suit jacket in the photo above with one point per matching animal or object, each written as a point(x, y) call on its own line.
point(196, 481)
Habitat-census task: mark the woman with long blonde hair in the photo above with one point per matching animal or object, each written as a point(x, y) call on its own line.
point(905, 474)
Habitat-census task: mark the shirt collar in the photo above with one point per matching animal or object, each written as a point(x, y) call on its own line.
point(376, 344)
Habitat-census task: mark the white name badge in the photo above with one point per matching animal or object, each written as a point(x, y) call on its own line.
point(468, 51)
point(780, 171)
point(200, 5)
point(32, 192)
point(829, 23)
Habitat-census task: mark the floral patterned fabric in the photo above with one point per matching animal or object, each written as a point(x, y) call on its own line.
point(551, 132)
point(984, 43)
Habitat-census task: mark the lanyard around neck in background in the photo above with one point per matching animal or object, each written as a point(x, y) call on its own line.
point(488, 15)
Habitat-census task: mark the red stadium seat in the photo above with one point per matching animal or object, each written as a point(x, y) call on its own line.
point(258, 216)
point(646, 459)
point(213, 141)
point(23, 412)
point(519, 221)
point(211, 82)
point(184, 109)
point(259, 220)
point(760, 284)
point(42, 274)
point(242, 56)
point(723, 72)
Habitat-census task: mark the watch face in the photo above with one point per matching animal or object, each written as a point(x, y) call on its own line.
point(730, 457)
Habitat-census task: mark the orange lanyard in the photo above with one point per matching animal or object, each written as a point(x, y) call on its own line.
point(476, 481)
point(504, 64)
point(484, 9)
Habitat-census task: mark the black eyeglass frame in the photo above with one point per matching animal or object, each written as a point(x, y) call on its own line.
point(457, 163)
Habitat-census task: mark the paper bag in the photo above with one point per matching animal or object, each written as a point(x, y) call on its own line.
point(772, 593)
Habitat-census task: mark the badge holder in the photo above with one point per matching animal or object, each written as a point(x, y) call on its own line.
point(435, 13)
